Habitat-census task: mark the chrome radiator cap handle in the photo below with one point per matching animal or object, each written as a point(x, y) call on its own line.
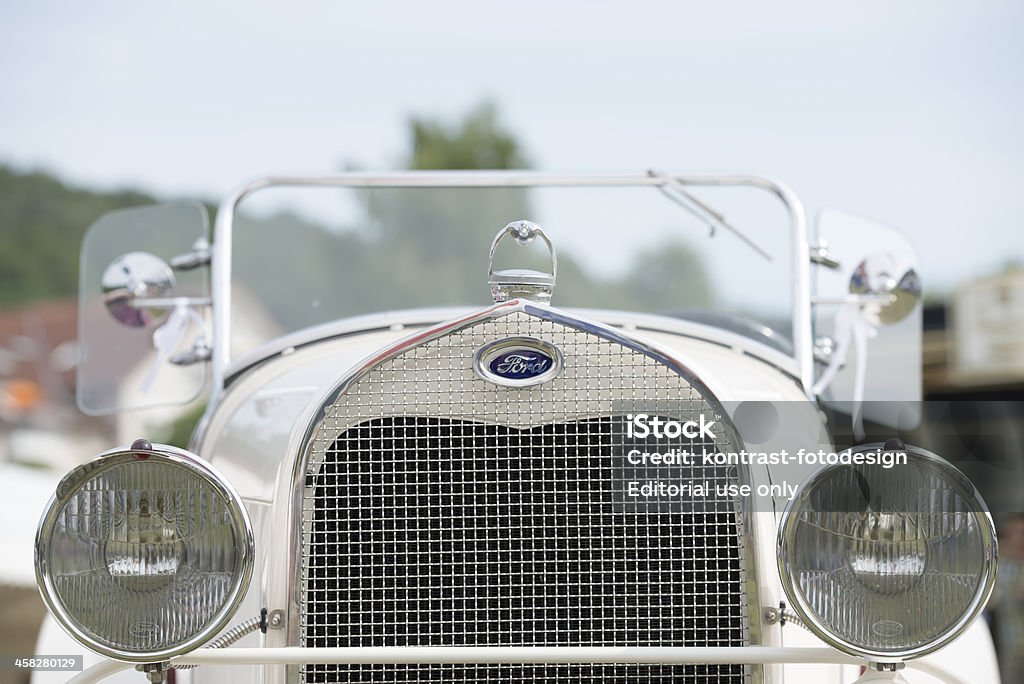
point(522, 283)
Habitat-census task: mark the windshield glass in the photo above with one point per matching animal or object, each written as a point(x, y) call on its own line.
point(305, 256)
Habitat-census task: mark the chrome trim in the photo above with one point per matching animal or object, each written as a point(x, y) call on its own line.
point(745, 528)
point(419, 318)
point(223, 229)
point(373, 322)
point(69, 486)
point(988, 534)
point(521, 283)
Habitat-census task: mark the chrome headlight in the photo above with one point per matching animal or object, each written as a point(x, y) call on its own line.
point(143, 554)
point(891, 562)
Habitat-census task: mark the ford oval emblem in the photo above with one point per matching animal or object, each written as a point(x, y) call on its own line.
point(518, 361)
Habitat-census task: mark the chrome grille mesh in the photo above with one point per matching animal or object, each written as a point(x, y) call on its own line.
point(441, 509)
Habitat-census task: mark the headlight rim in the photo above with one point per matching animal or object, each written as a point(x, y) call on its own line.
point(981, 596)
point(70, 484)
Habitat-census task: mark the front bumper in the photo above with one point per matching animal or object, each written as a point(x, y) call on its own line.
point(668, 655)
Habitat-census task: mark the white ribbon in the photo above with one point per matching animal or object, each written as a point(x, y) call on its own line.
point(168, 336)
point(852, 323)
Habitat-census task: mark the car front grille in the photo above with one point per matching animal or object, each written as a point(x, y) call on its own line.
point(442, 510)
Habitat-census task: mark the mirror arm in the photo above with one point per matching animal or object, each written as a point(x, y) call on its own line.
point(164, 302)
point(822, 255)
point(199, 256)
point(883, 299)
point(200, 351)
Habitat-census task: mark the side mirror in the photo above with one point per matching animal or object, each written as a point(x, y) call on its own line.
point(867, 279)
point(140, 320)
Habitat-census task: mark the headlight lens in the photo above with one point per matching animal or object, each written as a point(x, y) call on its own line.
point(890, 562)
point(144, 554)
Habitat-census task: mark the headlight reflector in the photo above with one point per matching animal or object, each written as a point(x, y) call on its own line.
point(888, 562)
point(144, 554)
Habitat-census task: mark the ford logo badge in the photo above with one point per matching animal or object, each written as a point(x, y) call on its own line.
point(518, 361)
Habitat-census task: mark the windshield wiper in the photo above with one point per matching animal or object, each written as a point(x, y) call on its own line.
point(678, 193)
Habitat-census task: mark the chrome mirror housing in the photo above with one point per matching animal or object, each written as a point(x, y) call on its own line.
point(129, 281)
point(888, 274)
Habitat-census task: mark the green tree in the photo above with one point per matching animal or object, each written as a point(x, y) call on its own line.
point(42, 222)
point(430, 245)
point(668, 277)
point(414, 248)
point(479, 141)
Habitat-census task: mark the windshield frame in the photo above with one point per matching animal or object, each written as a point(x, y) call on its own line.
point(221, 265)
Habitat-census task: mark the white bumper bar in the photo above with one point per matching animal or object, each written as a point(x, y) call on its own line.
point(508, 655)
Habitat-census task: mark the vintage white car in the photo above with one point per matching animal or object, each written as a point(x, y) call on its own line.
point(538, 488)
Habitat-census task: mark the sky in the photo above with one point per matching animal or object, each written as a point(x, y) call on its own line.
point(907, 112)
